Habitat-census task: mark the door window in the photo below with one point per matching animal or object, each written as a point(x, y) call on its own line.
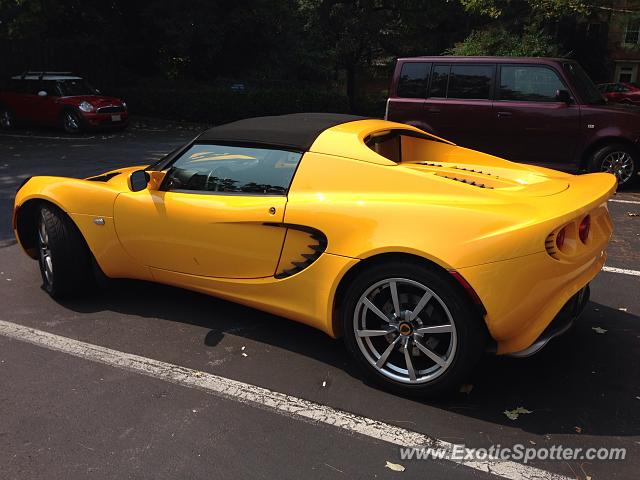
point(223, 169)
point(439, 81)
point(529, 83)
point(470, 81)
point(414, 79)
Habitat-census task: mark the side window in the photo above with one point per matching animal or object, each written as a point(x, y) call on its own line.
point(470, 81)
point(439, 81)
point(233, 170)
point(50, 87)
point(414, 80)
point(15, 86)
point(529, 83)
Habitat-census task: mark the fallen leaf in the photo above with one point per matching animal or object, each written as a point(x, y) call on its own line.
point(516, 412)
point(244, 354)
point(633, 214)
point(466, 388)
point(599, 330)
point(243, 347)
point(324, 383)
point(623, 309)
point(578, 429)
point(396, 467)
point(532, 442)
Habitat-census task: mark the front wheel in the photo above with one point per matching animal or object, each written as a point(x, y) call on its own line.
point(411, 329)
point(618, 159)
point(6, 118)
point(64, 258)
point(71, 122)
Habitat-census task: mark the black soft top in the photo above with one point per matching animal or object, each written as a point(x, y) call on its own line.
point(296, 131)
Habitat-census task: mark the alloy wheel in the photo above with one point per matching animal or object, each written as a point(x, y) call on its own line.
point(620, 164)
point(5, 119)
point(405, 330)
point(71, 122)
point(46, 262)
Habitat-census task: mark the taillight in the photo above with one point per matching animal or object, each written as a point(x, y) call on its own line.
point(560, 238)
point(583, 230)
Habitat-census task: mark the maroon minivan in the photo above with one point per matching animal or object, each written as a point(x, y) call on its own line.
point(545, 111)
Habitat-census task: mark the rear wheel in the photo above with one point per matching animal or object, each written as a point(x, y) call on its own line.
point(411, 330)
point(64, 258)
point(6, 118)
point(618, 159)
point(71, 122)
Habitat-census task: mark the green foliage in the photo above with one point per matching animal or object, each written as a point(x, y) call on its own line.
point(498, 41)
point(217, 105)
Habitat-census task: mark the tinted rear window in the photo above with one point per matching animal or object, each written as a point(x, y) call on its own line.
point(470, 81)
point(414, 79)
point(439, 80)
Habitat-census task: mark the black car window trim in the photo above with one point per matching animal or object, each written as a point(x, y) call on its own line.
point(538, 65)
point(435, 65)
point(176, 154)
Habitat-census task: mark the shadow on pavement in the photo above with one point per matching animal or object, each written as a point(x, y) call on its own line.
point(583, 382)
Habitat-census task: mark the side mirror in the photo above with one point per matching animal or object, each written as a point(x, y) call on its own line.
point(563, 96)
point(42, 93)
point(138, 180)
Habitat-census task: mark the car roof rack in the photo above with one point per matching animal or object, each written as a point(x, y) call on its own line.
point(41, 73)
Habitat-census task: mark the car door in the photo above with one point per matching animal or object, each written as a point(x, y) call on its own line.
point(532, 125)
point(215, 214)
point(459, 105)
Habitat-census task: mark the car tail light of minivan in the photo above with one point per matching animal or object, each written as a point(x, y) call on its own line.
point(584, 228)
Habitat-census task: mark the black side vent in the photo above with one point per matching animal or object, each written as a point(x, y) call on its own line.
point(464, 180)
point(316, 247)
point(428, 164)
point(103, 178)
point(475, 171)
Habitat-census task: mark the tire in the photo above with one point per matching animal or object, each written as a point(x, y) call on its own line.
point(619, 159)
point(64, 258)
point(459, 344)
point(7, 119)
point(71, 122)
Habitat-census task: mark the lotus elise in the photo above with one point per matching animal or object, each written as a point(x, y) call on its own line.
point(421, 254)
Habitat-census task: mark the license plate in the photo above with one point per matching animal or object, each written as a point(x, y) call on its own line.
point(115, 118)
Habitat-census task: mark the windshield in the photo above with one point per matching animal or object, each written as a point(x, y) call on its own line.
point(587, 90)
point(71, 88)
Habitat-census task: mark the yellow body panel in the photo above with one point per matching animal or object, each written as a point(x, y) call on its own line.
point(483, 216)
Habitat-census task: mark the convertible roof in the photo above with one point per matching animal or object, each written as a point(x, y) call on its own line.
point(295, 131)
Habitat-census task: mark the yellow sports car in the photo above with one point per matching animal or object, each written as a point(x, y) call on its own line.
point(421, 254)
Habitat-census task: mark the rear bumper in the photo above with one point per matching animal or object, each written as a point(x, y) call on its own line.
point(522, 296)
point(560, 324)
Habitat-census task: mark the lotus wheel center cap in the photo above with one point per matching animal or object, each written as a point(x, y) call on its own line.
point(405, 329)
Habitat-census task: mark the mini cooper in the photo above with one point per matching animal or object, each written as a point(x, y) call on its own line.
point(421, 254)
point(59, 99)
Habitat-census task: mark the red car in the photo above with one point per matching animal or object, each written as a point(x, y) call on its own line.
point(59, 99)
point(544, 111)
point(620, 92)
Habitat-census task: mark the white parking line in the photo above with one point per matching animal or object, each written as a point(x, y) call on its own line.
point(263, 398)
point(624, 271)
point(635, 202)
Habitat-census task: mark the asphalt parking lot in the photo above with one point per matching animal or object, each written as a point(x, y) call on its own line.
point(67, 416)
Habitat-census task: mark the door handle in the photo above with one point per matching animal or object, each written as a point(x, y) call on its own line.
point(433, 110)
point(504, 114)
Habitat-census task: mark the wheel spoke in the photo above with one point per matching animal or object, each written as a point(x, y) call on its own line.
point(435, 329)
point(374, 333)
point(421, 304)
point(393, 286)
point(375, 309)
point(432, 355)
point(407, 359)
point(385, 355)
